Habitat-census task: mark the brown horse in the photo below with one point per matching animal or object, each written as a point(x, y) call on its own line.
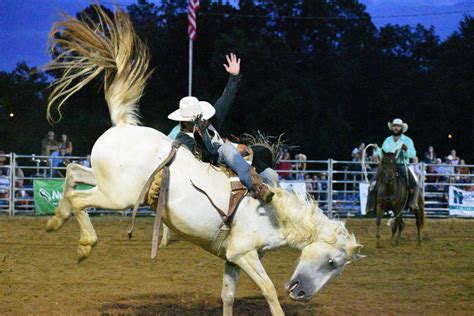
point(393, 193)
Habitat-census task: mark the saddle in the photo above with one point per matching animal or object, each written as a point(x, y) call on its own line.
point(237, 192)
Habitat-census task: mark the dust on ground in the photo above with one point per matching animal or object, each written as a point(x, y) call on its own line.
point(39, 273)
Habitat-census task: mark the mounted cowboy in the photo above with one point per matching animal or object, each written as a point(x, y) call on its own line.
point(203, 140)
point(401, 145)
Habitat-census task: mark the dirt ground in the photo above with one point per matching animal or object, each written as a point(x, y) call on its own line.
point(39, 273)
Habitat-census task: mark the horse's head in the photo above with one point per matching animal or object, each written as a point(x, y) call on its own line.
point(320, 262)
point(389, 167)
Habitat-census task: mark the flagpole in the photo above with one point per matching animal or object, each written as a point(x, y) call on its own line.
point(190, 78)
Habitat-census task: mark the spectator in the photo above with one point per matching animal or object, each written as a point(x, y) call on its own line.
point(357, 152)
point(66, 143)
point(323, 186)
point(415, 167)
point(3, 168)
point(87, 162)
point(314, 187)
point(284, 167)
point(375, 157)
point(463, 172)
point(455, 159)
point(61, 171)
point(300, 166)
point(49, 144)
point(429, 156)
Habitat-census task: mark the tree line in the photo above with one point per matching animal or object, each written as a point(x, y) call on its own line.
point(328, 84)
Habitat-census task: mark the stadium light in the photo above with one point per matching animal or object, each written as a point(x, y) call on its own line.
point(450, 136)
point(12, 114)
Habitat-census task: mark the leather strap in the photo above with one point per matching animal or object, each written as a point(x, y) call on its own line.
point(168, 160)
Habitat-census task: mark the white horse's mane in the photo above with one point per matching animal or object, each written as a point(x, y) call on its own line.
point(303, 222)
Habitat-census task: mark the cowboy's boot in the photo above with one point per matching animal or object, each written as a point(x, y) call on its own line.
point(414, 198)
point(262, 192)
point(370, 207)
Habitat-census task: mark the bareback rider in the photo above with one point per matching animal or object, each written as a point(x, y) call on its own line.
point(399, 143)
point(203, 140)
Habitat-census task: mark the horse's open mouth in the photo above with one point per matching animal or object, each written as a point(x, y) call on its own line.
point(294, 293)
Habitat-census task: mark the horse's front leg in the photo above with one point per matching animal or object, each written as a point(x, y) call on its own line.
point(229, 285)
point(75, 174)
point(165, 238)
point(378, 221)
point(251, 264)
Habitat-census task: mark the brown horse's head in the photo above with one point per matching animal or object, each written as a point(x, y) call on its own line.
point(388, 168)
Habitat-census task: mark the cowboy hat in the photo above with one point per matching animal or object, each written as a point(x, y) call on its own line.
point(399, 122)
point(190, 108)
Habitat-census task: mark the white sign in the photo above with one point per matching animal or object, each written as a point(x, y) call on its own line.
point(363, 192)
point(461, 203)
point(298, 187)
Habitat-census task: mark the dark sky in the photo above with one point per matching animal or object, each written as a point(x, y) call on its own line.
point(24, 24)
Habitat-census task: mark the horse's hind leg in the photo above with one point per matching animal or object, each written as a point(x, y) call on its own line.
point(420, 218)
point(229, 285)
point(394, 227)
point(75, 174)
point(80, 201)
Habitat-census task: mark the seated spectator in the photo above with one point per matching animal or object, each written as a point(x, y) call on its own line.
point(415, 167)
point(463, 172)
point(375, 157)
point(61, 171)
point(323, 186)
point(454, 159)
point(49, 144)
point(357, 152)
point(66, 143)
point(284, 167)
point(300, 166)
point(86, 162)
point(429, 156)
point(3, 168)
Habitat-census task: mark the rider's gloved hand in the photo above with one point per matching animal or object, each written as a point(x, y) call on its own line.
point(404, 147)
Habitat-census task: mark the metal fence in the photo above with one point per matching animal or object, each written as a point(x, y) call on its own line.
point(333, 183)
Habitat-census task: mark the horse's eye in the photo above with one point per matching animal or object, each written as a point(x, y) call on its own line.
point(332, 263)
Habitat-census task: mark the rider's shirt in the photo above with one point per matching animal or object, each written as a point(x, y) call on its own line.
point(392, 146)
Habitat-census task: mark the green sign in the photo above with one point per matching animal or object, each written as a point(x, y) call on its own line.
point(48, 193)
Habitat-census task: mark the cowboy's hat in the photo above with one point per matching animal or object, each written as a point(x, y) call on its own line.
point(190, 108)
point(399, 122)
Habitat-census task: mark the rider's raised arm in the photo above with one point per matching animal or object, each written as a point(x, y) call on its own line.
point(224, 103)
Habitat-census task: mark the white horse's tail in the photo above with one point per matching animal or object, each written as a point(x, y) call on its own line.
point(85, 49)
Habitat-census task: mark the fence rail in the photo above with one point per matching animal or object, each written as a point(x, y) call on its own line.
point(333, 183)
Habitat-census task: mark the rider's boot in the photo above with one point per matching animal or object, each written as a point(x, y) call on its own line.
point(414, 198)
point(370, 207)
point(262, 192)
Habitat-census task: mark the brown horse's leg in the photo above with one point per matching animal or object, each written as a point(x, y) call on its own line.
point(420, 218)
point(401, 226)
point(379, 213)
point(394, 230)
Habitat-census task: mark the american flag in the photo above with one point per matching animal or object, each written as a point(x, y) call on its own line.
point(193, 6)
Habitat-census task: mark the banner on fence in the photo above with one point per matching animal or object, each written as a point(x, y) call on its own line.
point(298, 187)
point(48, 193)
point(461, 203)
point(363, 192)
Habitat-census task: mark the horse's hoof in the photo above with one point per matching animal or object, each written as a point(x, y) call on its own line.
point(83, 252)
point(54, 223)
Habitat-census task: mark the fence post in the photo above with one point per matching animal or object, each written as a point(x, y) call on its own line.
point(329, 193)
point(422, 182)
point(11, 202)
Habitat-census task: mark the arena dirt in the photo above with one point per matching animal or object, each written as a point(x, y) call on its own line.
point(39, 273)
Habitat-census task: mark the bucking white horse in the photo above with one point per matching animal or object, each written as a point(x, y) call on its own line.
point(125, 156)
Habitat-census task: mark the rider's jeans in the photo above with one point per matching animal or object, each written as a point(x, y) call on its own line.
point(229, 155)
